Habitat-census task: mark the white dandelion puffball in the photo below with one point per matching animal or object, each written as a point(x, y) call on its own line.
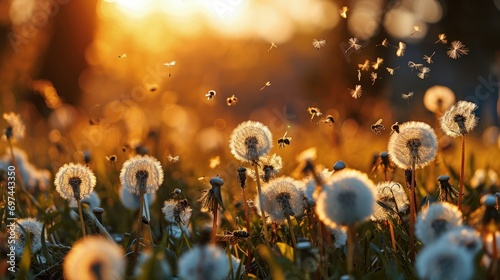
point(34, 229)
point(347, 198)
point(74, 181)
point(394, 200)
point(459, 119)
point(308, 186)
point(270, 165)
point(205, 262)
point(280, 198)
point(94, 257)
point(141, 172)
point(465, 237)
point(436, 220)
point(416, 143)
point(339, 237)
point(250, 140)
point(438, 99)
point(177, 211)
point(444, 261)
point(16, 127)
point(132, 201)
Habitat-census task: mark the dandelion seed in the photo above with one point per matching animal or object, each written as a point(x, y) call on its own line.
point(211, 199)
point(250, 140)
point(315, 112)
point(353, 44)
point(271, 166)
point(444, 261)
point(33, 228)
point(231, 100)
point(414, 66)
point(122, 56)
point(280, 199)
point(343, 11)
point(365, 66)
point(416, 143)
point(459, 119)
point(94, 258)
point(359, 75)
point(318, 44)
point(347, 198)
point(204, 262)
point(15, 127)
point(169, 65)
point(173, 159)
point(423, 73)
point(375, 65)
point(385, 43)
point(428, 59)
point(329, 120)
point(267, 84)
point(177, 211)
point(273, 45)
point(391, 200)
point(436, 220)
point(211, 94)
point(373, 77)
point(378, 127)
point(74, 181)
point(416, 29)
point(438, 99)
point(407, 95)
point(401, 49)
point(284, 141)
point(356, 92)
point(456, 50)
point(141, 174)
point(441, 39)
point(391, 70)
point(214, 162)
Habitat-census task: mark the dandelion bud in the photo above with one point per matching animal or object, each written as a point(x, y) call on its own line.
point(339, 165)
point(242, 176)
point(177, 191)
point(212, 196)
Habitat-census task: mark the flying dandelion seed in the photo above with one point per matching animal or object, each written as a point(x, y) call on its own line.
point(284, 141)
point(122, 56)
point(456, 50)
point(268, 84)
point(353, 44)
point(315, 112)
point(428, 59)
point(375, 65)
point(329, 120)
point(391, 70)
point(416, 29)
point(423, 73)
point(273, 45)
point(441, 39)
point(373, 77)
point(318, 44)
point(407, 95)
point(414, 66)
point(359, 75)
point(343, 11)
point(231, 100)
point(214, 162)
point(169, 65)
point(385, 43)
point(172, 159)
point(365, 66)
point(356, 92)
point(401, 49)
point(378, 127)
point(211, 94)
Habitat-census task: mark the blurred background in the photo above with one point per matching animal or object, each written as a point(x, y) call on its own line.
point(98, 76)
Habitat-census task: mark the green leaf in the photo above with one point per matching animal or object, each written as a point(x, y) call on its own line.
point(286, 250)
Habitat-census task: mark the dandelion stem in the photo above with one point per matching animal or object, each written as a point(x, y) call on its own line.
point(462, 164)
point(351, 236)
point(412, 212)
point(247, 221)
point(139, 229)
point(82, 223)
point(292, 233)
point(393, 239)
point(262, 214)
point(214, 222)
point(184, 234)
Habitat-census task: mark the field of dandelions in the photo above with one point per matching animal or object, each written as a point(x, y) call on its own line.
point(317, 197)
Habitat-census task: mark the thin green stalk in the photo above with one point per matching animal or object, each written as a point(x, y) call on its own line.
point(82, 223)
point(139, 230)
point(292, 233)
point(214, 222)
point(462, 169)
point(412, 212)
point(262, 214)
point(184, 234)
point(247, 221)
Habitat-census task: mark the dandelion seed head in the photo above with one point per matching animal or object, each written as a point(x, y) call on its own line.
point(438, 99)
point(15, 126)
point(394, 200)
point(250, 140)
point(416, 143)
point(271, 165)
point(339, 237)
point(74, 181)
point(308, 186)
point(34, 229)
point(141, 174)
point(94, 257)
point(459, 119)
point(456, 50)
point(347, 198)
point(465, 237)
point(436, 220)
point(280, 198)
point(444, 261)
point(177, 211)
point(204, 262)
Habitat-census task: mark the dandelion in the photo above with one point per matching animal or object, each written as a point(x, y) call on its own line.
point(385, 43)
point(444, 261)
point(373, 77)
point(318, 44)
point(271, 166)
point(177, 211)
point(281, 199)
point(391, 70)
point(456, 50)
point(441, 39)
point(204, 262)
point(211, 201)
point(401, 49)
point(365, 66)
point(32, 227)
point(339, 237)
point(423, 72)
point(428, 59)
point(94, 258)
point(436, 220)
point(353, 44)
point(376, 65)
point(459, 120)
point(15, 126)
point(481, 177)
point(356, 92)
point(465, 237)
point(141, 174)
point(250, 141)
point(308, 186)
point(391, 200)
point(315, 112)
point(407, 95)
point(438, 99)
point(343, 11)
point(173, 159)
point(446, 191)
